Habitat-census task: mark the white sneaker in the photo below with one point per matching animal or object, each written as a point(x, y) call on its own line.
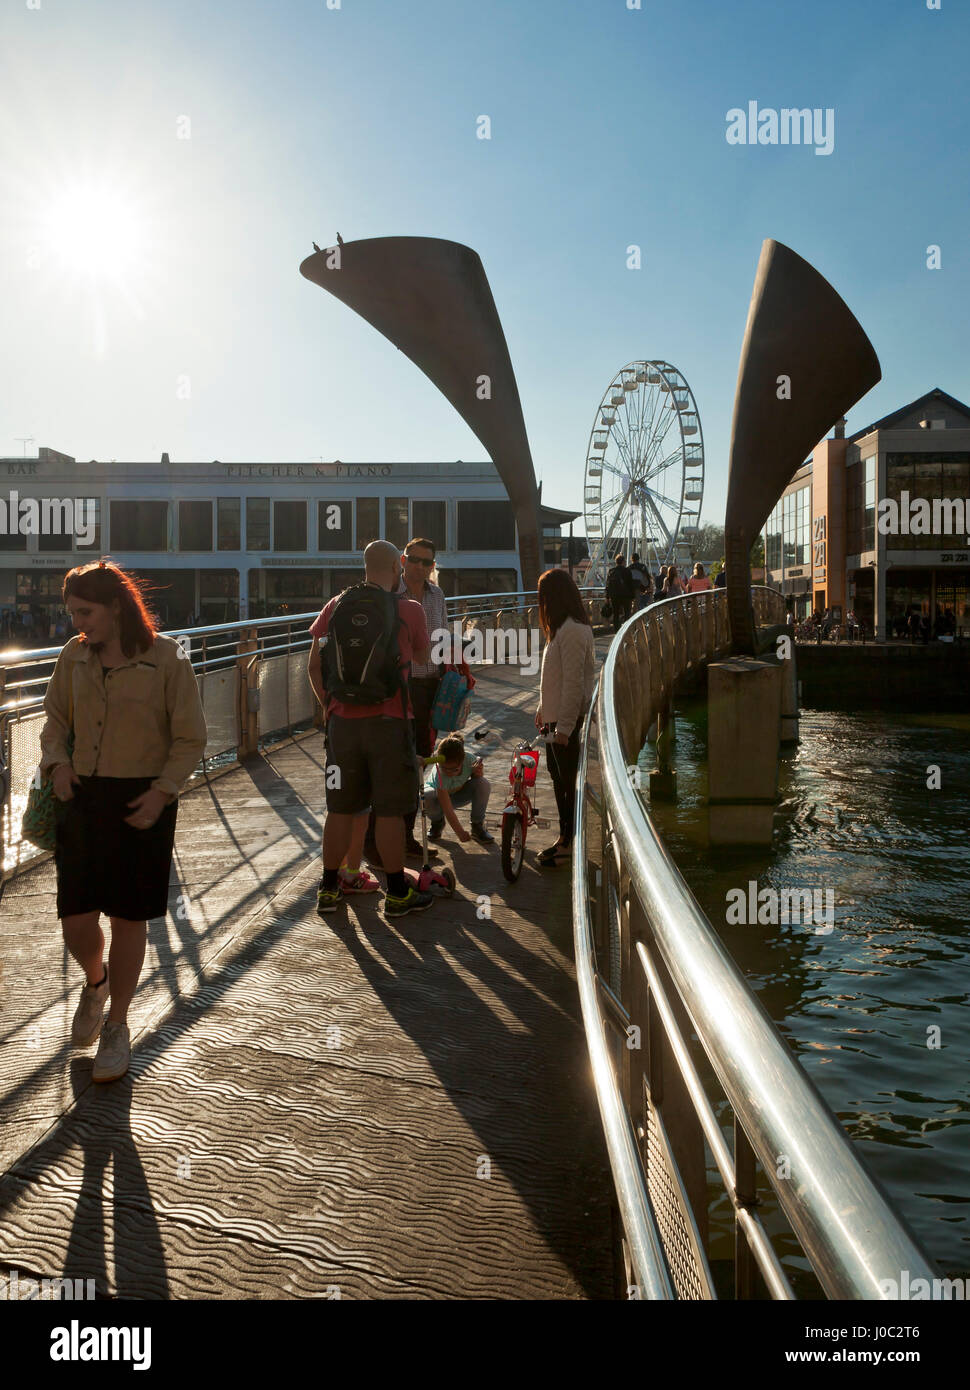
point(114, 1053)
point(88, 1014)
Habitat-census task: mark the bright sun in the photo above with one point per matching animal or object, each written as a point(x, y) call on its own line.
point(93, 231)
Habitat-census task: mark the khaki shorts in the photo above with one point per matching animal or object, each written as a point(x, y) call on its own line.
point(375, 766)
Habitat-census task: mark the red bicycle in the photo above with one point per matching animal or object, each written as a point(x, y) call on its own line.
point(519, 812)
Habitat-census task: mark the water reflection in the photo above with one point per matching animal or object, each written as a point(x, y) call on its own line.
point(876, 1009)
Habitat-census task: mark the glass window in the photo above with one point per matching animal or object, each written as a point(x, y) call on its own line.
point(428, 519)
point(257, 523)
point(7, 540)
point(899, 475)
point(91, 539)
point(478, 581)
point(59, 529)
point(485, 526)
point(218, 596)
point(289, 525)
point(195, 525)
point(139, 526)
point(868, 499)
point(368, 520)
point(228, 512)
point(335, 526)
point(396, 521)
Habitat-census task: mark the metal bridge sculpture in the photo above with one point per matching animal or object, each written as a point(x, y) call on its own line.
point(432, 300)
point(799, 328)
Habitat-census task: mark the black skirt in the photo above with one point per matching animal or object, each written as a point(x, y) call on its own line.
point(106, 866)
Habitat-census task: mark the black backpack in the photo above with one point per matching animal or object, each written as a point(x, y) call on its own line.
point(360, 658)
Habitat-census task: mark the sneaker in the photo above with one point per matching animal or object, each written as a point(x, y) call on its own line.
point(89, 1014)
point(413, 850)
point(480, 834)
point(114, 1053)
point(328, 899)
point(436, 830)
point(360, 882)
point(413, 901)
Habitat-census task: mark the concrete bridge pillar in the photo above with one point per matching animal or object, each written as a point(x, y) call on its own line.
point(744, 699)
point(789, 700)
point(663, 779)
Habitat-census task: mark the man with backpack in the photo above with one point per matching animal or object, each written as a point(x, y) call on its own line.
point(363, 644)
point(619, 591)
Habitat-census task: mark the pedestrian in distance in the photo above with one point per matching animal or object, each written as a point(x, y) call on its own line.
point(565, 692)
point(459, 779)
point(673, 584)
point(619, 591)
point(128, 698)
point(644, 594)
point(698, 582)
point(363, 645)
point(638, 572)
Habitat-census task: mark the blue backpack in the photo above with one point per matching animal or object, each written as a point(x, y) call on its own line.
point(452, 703)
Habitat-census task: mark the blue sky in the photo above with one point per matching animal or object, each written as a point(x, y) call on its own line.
point(608, 129)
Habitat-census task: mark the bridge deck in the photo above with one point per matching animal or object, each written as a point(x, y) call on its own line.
point(388, 1109)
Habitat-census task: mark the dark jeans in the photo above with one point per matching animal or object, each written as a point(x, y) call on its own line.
point(423, 692)
point(563, 765)
point(621, 611)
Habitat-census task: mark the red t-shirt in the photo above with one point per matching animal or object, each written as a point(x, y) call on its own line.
point(412, 634)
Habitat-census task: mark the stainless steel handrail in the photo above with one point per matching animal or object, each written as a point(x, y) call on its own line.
point(844, 1223)
point(216, 648)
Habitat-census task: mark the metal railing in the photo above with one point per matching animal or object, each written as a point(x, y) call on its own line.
point(252, 678)
point(670, 1020)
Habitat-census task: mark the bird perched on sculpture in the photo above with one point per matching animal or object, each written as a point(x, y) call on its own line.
point(316, 247)
point(340, 240)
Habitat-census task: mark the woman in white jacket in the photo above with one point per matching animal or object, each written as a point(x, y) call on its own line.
point(565, 690)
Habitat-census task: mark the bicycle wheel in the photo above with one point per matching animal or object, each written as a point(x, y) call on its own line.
point(513, 846)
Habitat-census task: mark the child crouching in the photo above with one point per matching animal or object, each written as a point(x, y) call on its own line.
point(458, 779)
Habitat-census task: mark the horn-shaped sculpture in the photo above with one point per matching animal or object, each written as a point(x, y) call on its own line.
point(432, 300)
point(799, 328)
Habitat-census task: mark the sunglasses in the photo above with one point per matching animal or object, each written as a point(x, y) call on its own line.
point(415, 561)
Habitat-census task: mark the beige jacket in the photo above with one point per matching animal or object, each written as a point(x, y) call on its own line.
point(141, 719)
point(566, 682)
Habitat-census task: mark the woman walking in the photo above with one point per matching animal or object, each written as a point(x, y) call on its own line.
point(129, 697)
point(673, 584)
point(565, 690)
point(698, 582)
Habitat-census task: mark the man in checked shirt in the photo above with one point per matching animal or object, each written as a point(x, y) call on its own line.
point(417, 563)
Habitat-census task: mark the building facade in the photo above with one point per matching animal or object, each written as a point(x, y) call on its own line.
point(890, 515)
point(223, 541)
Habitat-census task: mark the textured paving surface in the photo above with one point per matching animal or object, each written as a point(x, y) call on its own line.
point(391, 1110)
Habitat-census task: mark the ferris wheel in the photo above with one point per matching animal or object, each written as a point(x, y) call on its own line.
point(644, 470)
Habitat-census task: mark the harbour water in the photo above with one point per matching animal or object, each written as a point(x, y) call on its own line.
point(878, 1008)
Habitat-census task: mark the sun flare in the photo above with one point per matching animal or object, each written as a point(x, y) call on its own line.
point(93, 231)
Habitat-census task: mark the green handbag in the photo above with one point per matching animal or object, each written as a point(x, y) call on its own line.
point(39, 824)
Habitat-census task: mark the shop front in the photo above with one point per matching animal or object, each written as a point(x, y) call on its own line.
point(940, 596)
